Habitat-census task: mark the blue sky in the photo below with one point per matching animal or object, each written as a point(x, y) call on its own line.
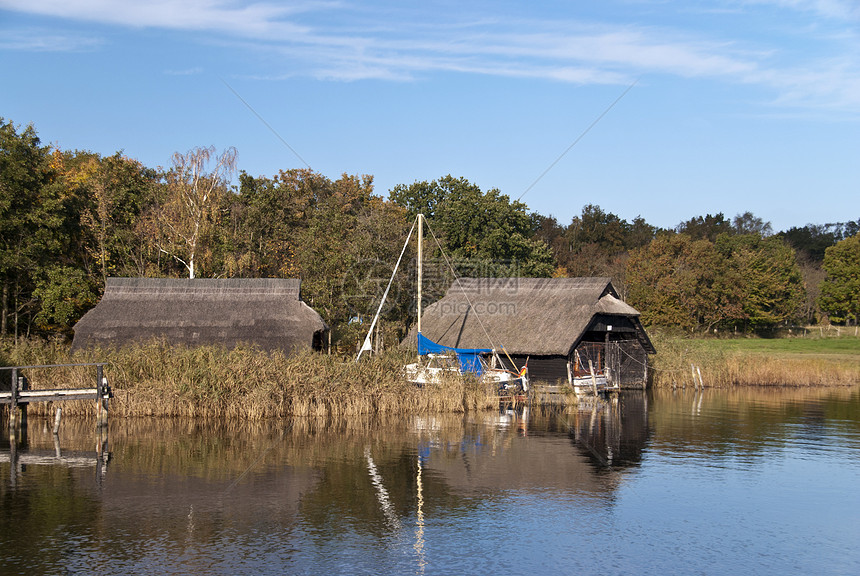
point(733, 105)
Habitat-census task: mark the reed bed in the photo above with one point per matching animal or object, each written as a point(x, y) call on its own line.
point(684, 362)
point(157, 379)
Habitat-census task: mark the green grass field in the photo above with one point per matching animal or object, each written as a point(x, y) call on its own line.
point(846, 346)
point(788, 361)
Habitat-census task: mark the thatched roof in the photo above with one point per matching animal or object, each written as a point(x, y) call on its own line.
point(537, 316)
point(267, 312)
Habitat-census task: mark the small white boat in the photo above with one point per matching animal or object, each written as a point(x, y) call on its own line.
point(437, 369)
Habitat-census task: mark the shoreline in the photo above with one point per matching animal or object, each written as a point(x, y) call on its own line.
point(157, 380)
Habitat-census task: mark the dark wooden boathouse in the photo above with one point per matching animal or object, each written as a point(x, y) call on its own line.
point(558, 324)
point(266, 312)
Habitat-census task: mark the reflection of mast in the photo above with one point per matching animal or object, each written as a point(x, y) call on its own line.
point(419, 521)
point(381, 492)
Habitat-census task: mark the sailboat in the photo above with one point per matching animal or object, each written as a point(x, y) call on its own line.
point(437, 363)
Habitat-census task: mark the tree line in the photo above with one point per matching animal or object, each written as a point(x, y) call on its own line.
point(70, 219)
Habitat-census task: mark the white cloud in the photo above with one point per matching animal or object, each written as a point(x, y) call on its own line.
point(39, 40)
point(837, 9)
point(254, 19)
point(340, 41)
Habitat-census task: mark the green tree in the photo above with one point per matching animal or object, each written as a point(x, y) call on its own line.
point(486, 233)
point(104, 199)
point(705, 227)
point(266, 218)
point(30, 218)
point(810, 240)
point(605, 230)
point(65, 293)
point(840, 290)
point(340, 238)
point(749, 223)
point(345, 252)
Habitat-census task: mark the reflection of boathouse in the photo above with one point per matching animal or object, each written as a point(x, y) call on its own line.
point(267, 312)
point(611, 432)
point(558, 324)
point(549, 450)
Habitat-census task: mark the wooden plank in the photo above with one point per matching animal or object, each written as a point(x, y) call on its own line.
point(48, 459)
point(52, 366)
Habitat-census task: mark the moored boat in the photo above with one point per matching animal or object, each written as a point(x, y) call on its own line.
point(436, 363)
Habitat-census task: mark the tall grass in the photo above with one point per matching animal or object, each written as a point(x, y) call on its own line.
point(689, 362)
point(157, 379)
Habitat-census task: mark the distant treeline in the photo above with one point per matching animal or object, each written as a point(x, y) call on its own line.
point(70, 219)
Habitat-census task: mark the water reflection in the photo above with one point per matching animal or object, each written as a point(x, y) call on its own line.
point(750, 425)
point(383, 495)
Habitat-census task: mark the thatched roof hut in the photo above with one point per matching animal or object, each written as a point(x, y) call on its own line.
point(544, 319)
point(267, 312)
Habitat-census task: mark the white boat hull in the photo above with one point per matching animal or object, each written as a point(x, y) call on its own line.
point(436, 372)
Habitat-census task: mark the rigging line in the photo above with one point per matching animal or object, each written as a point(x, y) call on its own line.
point(269, 126)
point(366, 345)
point(257, 461)
point(580, 137)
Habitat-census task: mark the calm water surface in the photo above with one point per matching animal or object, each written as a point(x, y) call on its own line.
point(748, 481)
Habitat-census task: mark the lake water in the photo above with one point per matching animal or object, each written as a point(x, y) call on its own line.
point(750, 481)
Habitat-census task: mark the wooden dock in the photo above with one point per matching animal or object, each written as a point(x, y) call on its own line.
point(20, 394)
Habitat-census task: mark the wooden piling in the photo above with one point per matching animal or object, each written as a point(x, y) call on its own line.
point(57, 418)
point(13, 404)
point(593, 376)
point(101, 401)
point(20, 396)
point(23, 386)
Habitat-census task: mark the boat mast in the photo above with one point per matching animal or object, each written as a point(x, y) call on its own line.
point(366, 346)
point(420, 264)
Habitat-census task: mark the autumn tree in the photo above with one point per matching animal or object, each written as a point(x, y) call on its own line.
point(840, 290)
point(767, 276)
point(677, 281)
point(739, 281)
point(189, 208)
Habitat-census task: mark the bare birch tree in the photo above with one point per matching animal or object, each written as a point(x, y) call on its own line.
point(193, 195)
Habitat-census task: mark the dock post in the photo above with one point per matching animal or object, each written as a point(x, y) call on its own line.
point(57, 417)
point(23, 384)
point(101, 402)
point(13, 406)
point(593, 377)
point(13, 456)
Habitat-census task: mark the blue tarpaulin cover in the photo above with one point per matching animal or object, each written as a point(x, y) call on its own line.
point(469, 357)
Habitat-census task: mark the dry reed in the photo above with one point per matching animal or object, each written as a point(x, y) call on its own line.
point(157, 379)
point(682, 363)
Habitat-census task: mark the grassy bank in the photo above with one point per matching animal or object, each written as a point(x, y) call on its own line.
point(792, 361)
point(155, 379)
